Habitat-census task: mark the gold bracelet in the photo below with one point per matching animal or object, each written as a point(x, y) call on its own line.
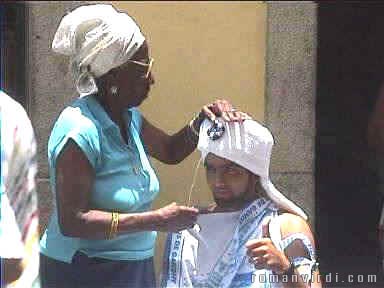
point(114, 225)
point(111, 226)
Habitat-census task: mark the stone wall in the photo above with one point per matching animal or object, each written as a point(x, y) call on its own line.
point(290, 98)
point(49, 84)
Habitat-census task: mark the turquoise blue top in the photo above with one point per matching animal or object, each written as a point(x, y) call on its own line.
point(124, 179)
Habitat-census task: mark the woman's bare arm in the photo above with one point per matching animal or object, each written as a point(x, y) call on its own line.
point(169, 149)
point(74, 182)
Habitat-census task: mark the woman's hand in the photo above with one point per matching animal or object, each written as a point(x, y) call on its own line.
point(219, 108)
point(223, 108)
point(173, 218)
point(263, 254)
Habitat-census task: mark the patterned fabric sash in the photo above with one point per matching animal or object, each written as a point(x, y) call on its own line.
point(181, 251)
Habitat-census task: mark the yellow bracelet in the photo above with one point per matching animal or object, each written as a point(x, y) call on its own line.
point(111, 226)
point(114, 225)
point(116, 215)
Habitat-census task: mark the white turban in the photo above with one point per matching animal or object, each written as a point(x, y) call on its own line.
point(98, 38)
point(248, 144)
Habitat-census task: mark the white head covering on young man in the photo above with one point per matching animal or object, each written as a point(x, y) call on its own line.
point(211, 256)
point(248, 144)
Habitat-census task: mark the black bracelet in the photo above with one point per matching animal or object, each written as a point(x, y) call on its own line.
point(290, 271)
point(199, 118)
point(191, 136)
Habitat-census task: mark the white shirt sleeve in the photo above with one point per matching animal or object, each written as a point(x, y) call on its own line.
point(11, 245)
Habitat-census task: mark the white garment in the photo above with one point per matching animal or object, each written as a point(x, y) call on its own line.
point(11, 244)
point(222, 226)
point(19, 233)
point(97, 37)
point(230, 268)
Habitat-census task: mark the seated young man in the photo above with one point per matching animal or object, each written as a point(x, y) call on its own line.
point(252, 236)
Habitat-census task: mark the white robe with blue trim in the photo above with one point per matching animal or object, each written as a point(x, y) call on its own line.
point(187, 253)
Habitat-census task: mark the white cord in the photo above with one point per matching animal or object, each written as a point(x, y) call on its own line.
point(193, 181)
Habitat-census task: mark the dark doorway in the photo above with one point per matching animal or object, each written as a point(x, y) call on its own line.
point(13, 49)
point(350, 68)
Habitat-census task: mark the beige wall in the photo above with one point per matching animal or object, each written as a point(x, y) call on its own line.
point(202, 51)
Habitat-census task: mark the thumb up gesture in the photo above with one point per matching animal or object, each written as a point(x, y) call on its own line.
point(263, 254)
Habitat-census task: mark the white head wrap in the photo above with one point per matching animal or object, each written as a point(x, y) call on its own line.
point(98, 38)
point(248, 144)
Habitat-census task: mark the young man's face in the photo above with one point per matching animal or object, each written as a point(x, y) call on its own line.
point(231, 185)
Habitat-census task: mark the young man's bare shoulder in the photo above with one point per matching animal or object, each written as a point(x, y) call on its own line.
point(291, 224)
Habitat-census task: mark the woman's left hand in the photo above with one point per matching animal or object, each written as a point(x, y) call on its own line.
point(219, 108)
point(223, 108)
point(263, 254)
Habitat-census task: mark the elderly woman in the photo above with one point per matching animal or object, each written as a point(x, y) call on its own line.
point(102, 230)
point(252, 236)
